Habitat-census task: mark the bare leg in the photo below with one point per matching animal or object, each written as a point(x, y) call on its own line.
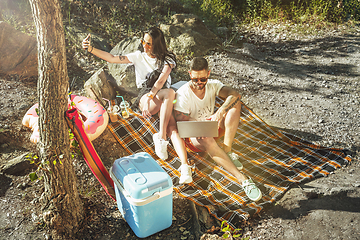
point(162, 103)
point(177, 142)
point(230, 124)
point(222, 159)
point(219, 156)
point(179, 145)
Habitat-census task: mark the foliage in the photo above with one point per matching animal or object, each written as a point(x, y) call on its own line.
point(114, 20)
point(87, 192)
point(33, 159)
point(218, 11)
point(41, 165)
point(301, 11)
point(235, 37)
point(314, 12)
point(352, 9)
point(228, 232)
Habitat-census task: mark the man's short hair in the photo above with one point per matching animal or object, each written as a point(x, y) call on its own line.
point(198, 64)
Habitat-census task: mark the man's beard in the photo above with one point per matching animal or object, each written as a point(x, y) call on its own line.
point(198, 87)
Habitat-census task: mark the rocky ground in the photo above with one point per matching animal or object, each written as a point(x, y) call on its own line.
point(308, 86)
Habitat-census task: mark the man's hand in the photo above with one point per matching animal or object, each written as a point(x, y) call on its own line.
point(217, 116)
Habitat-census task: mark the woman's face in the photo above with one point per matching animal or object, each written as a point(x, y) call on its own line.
point(147, 44)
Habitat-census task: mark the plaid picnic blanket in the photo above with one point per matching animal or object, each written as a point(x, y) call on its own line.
point(274, 159)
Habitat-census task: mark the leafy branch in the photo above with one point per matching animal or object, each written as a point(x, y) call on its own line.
point(34, 159)
point(229, 233)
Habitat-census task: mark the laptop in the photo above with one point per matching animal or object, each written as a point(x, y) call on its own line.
point(188, 129)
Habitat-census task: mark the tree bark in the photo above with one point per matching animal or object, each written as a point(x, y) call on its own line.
point(63, 210)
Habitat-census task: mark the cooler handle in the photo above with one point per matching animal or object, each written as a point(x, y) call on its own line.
point(136, 202)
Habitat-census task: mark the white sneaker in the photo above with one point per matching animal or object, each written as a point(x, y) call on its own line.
point(160, 146)
point(185, 174)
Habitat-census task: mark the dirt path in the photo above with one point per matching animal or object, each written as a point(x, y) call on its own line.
point(309, 88)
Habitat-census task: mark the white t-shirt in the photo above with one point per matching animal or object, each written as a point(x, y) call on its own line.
point(144, 65)
point(199, 109)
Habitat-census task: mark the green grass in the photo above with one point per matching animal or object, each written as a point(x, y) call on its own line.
point(88, 192)
point(308, 16)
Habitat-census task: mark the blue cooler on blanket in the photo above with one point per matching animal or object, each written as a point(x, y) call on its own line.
point(143, 193)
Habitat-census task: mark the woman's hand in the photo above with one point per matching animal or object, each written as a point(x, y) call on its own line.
point(145, 111)
point(86, 43)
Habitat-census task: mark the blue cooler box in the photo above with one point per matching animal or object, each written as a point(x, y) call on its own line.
point(143, 193)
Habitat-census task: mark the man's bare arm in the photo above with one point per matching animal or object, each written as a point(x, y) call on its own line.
point(230, 102)
point(231, 96)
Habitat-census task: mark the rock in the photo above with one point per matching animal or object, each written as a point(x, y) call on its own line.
point(222, 31)
point(208, 236)
point(18, 52)
point(188, 34)
point(119, 77)
point(100, 86)
point(17, 165)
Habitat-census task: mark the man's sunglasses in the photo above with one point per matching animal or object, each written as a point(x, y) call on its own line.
point(199, 79)
point(145, 43)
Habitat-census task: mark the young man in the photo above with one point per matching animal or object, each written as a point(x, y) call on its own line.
point(196, 102)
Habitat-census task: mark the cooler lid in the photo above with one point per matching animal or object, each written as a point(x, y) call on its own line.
point(140, 175)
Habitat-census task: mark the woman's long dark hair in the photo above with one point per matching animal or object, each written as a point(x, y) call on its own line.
point(159, 46)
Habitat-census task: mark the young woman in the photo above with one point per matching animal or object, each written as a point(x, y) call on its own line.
point(159, 98)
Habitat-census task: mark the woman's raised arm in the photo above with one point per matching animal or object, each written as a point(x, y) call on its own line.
point(86, 45)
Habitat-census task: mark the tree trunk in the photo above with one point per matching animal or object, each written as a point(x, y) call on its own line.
point(63, 210)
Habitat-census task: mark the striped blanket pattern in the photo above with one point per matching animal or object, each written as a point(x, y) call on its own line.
point(274, 159)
